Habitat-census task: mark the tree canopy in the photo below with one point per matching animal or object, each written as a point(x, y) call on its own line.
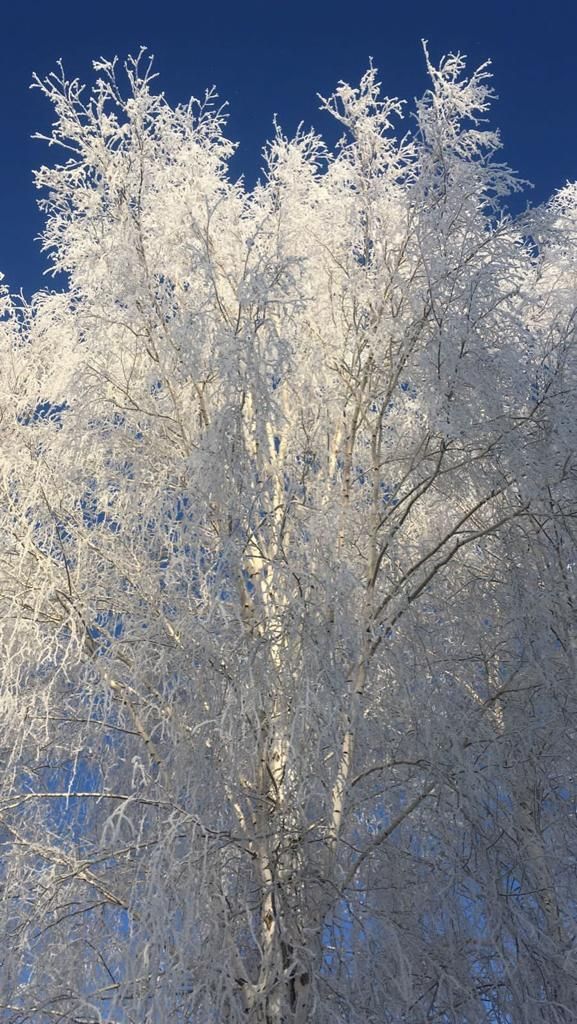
point(287, 589)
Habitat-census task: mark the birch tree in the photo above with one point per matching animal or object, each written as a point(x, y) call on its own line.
point(287, 505)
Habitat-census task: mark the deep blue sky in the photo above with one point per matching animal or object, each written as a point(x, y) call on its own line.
point(268, 58)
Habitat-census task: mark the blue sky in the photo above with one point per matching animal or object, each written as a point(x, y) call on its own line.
point(268, 58)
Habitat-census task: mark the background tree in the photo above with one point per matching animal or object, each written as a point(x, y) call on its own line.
point(287, 590)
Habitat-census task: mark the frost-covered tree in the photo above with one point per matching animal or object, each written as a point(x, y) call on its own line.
point(287, 588)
